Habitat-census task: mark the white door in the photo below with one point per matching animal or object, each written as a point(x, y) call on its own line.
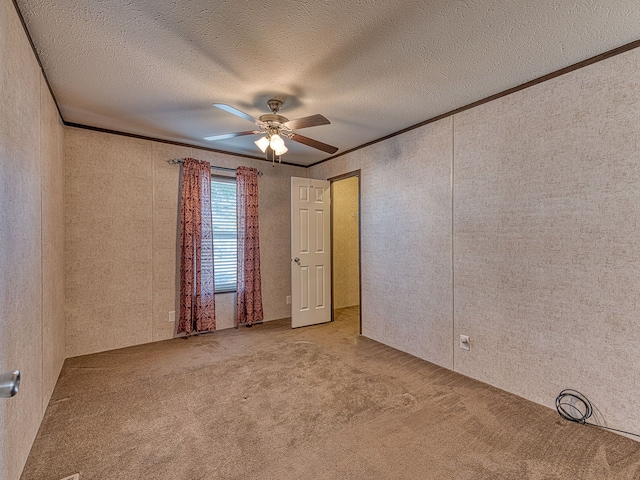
point(310, 252)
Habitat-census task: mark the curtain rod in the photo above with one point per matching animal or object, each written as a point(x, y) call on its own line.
point(176, 161)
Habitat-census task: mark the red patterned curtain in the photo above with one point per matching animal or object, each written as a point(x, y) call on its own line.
point(249, 291)
point(197, 301)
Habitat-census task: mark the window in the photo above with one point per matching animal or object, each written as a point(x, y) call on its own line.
point(225, 237)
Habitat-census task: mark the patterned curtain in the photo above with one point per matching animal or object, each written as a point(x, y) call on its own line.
point(197, 301)
point(249, 291)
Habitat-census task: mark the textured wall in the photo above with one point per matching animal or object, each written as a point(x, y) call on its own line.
point(547, 245)
point(52, 167)
point(108, 211)
point(405, 239)
point(346, 284)
point(121, 218)
point(30, 239)
point(546, 250)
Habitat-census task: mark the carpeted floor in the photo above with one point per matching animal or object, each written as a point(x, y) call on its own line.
point(314, 403)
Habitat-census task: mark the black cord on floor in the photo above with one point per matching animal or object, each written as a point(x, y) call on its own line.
point(575, 407)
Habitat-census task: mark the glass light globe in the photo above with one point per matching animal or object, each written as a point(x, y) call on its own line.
point(262, 144)
point(282, 150)
point(276, 142)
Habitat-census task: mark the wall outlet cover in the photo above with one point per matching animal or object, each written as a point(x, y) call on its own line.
point(172, 319)
point(288, 299)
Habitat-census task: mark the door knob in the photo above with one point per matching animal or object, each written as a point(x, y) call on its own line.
point(297, 260)
point(9, 383)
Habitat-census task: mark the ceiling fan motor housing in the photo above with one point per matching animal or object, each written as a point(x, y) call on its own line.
point(275, 105)
point(273, 118)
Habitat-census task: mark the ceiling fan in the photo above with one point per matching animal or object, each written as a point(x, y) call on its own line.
point(275, 127)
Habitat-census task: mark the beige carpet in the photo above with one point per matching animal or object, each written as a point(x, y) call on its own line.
point(314, 403)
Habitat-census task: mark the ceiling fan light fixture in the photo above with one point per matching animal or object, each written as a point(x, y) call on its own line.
point(282, 150)
point(262, 144)
point(276, 142)
point(271, 125)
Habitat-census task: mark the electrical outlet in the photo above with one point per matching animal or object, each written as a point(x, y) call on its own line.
point(72, 477)
point(465, 344)
point(172, 316)
point(288, 299)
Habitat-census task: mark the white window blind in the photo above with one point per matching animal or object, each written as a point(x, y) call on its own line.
point(225, 236)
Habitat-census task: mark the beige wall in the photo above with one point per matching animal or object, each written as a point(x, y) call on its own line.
point(52, 241)
point(346, 285)
point(546, 248)
point(405, 188)
point(31, 240)
point(121, 219)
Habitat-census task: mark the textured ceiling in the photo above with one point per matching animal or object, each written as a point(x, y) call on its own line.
point(155, 67)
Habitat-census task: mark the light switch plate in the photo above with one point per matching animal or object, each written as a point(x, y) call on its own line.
point(464, 342)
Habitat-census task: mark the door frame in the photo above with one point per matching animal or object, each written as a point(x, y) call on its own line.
point(354, 173)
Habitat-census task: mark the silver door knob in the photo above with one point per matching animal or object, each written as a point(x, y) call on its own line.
point(297, 260)
point(9, 383)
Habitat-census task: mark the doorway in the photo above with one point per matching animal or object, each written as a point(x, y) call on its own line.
point(345, 247)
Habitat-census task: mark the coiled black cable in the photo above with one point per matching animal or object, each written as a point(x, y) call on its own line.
point(575, 407)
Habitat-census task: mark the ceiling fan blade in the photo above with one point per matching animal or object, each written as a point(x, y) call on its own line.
point(224, 136)
point(235, 111)
point(304, 122)
point(313, 143)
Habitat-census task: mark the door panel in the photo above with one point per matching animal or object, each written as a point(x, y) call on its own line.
point(304, 231)
point(320, 233)
point(320, 286)
point(304, 288)
point(310, 252)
